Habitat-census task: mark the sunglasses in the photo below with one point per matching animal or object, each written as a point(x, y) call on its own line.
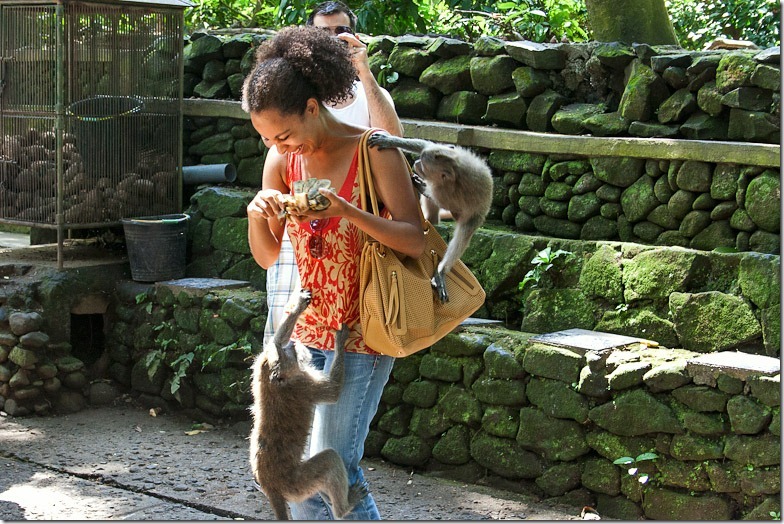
point(337, 29)
point(318, 248)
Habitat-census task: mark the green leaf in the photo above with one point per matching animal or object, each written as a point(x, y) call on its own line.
point(623, 460)
point(647, 456)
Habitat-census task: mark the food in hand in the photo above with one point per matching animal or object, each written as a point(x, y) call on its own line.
point(306, 197)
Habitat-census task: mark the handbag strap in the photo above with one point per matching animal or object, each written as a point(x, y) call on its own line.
point(367, 189)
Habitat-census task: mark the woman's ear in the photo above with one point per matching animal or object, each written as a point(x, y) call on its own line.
point(312, 107)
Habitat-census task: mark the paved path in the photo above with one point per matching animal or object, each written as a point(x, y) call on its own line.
point(121, 463)
point(13, 239)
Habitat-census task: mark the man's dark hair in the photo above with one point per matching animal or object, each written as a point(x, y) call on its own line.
point(332, 7)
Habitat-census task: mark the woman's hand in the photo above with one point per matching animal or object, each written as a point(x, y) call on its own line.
point(265, 205)
point(338, 207)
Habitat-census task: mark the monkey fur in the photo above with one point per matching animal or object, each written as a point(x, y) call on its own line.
point(286, 388)
point(452, 178)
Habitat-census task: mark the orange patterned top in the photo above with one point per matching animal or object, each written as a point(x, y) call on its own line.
point(334, 279)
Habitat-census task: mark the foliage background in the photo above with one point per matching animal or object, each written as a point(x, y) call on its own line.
point(696, 22)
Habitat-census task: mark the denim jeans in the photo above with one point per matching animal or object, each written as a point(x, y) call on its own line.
point(344, 426)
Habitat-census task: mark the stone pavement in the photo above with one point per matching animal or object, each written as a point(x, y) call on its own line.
point(13, 239)
point(122, 463)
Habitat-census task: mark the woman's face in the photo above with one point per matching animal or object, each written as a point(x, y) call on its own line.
point(288, 133)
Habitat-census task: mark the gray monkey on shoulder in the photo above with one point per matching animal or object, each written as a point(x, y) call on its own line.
point(452, 178)
point(286, 388)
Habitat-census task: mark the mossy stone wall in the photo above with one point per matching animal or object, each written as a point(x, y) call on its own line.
point(601, 90)
point(702, 301)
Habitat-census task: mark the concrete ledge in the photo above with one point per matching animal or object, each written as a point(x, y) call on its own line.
point(706, 368)
point(768, 155)
point(198, 287)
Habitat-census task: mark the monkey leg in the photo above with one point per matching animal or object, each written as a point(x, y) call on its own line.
point(279, 506)
point(463, 233)
point(325, 472)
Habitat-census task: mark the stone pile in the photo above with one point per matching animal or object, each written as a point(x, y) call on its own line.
point(36, 375)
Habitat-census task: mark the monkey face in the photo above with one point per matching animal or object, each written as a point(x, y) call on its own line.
point(436, 165)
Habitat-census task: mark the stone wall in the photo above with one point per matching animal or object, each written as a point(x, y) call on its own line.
point(48, 360)
point(602, 90)
point(534, 414)
point(493, 406)
point(530, 410)
point(187, 344)
point(689, 203)
point(605, 89)
point(683, 298)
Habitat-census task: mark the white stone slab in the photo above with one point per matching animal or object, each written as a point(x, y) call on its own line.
point(705, 368)
point(582, 340)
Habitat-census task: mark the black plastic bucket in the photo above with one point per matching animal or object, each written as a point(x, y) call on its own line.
point(156, 246)
point(105, 134)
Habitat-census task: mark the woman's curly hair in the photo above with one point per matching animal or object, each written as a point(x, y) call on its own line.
point(297, 64)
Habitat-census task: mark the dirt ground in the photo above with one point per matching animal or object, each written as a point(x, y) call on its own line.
point(121, 462)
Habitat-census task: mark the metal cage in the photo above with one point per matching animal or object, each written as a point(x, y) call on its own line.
point(90, 111)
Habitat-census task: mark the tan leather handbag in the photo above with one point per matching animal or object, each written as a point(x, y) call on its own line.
point(400, 312)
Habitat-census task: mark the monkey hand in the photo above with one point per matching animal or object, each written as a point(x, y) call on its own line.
point(380, 140)
point(439, 284)
point(419, 183)
point(303, 301)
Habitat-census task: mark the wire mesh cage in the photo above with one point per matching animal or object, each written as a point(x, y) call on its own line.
point(90, 111)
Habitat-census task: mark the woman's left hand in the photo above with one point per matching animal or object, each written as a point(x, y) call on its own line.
point(337, 208)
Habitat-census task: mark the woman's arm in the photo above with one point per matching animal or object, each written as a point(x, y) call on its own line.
point(394, 188)
point(265, 230)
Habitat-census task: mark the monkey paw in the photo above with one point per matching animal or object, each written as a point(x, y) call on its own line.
point(304, 299)
point(379, 140)
point(419, 183)
point(439, 284)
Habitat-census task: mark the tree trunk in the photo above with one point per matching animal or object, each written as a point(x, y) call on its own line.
point(631, 21)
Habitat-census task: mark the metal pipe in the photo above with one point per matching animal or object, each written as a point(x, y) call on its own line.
point(208, 173)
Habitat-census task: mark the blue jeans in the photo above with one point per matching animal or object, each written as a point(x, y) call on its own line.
point(344, 426)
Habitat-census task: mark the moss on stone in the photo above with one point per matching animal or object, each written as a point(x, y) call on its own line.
point(408, 451)
point(555, 439)
point(657, 273)
point(501, 421)
point(622, 415)
point(454, 447)
point(461, 407)
point(713, 321)
point(505, 457)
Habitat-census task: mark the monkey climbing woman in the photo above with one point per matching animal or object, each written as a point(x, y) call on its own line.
point(297, 72)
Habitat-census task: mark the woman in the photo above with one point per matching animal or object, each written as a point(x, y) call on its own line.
point(367, 105)
point(297, 73)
